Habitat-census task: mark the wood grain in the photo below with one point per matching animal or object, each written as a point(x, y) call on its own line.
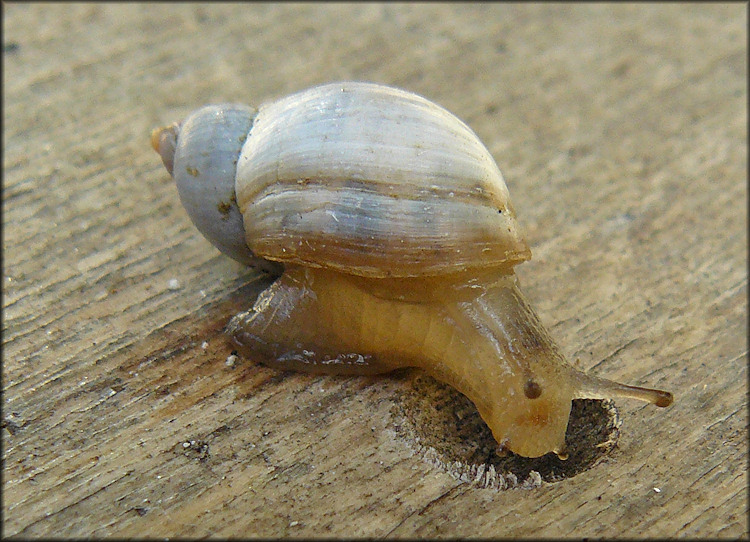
point(621, 131)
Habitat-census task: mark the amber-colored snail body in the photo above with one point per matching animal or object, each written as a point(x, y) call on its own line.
point(395, 239)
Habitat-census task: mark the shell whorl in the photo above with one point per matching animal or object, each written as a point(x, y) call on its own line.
point(373, 181)
point(202, 153)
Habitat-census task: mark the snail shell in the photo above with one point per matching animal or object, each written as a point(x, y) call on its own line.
point(373, 181)
point(396, 237)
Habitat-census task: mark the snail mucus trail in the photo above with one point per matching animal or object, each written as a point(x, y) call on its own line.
point(393, 233)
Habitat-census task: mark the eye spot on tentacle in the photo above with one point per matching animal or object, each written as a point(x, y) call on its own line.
point(531, 389)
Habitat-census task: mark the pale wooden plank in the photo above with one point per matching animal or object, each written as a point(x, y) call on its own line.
point(621, 131)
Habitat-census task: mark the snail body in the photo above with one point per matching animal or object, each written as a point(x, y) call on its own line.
point(392, 230)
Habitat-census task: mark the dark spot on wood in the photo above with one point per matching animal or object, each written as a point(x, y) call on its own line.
point(11, 425)
point(193, 449)
point(579, 150)
point(162, 390)
point(665, 399)
point(201, 16)
point(224, 429)
point(11, 47)
point(621, 68)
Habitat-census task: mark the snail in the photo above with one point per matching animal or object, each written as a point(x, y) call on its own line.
point(394, 238)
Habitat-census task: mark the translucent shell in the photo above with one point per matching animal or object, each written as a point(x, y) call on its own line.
point(373, 181)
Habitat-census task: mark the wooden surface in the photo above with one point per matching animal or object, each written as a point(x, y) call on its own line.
point(621, 131)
